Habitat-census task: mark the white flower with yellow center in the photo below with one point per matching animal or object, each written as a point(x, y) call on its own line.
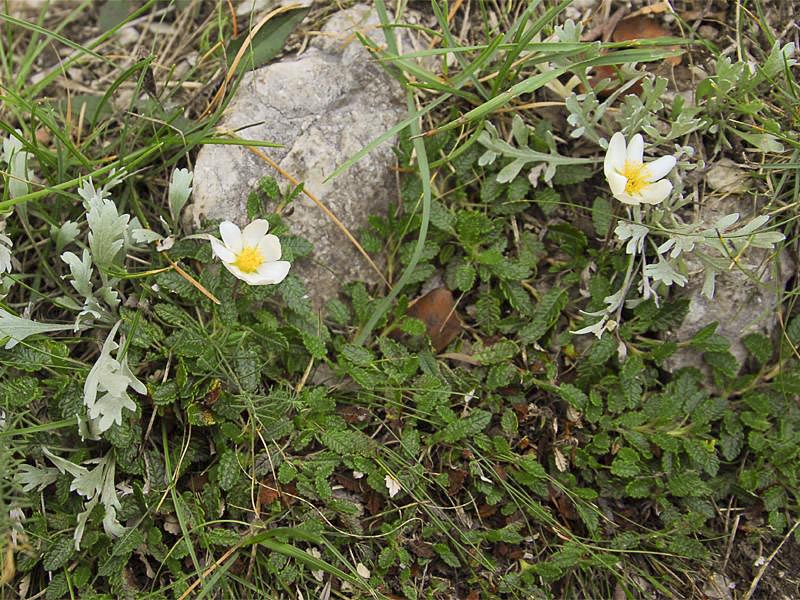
point(631, 180)
point(251, 254)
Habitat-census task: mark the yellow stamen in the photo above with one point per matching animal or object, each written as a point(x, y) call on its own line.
point(249, 259)
point(638, 176)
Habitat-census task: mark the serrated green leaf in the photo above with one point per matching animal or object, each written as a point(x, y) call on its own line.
point(687, 484)
point(466, 427)
point(20, 391)
point(173, 315)
point(464, 277)
point(630, 381)
point(638, 488)
point(602, 350)
point(500, 375)
point(314, 344)
point(58, 587)
point(338, 311)
point(545, 315)
point(228, 470)
point(58, 553)
point(286, 473)
point(573, 396)
point(488, 312)
point(501, 351)
point(723, 363)
point(759, 346)
point(517, 296)
point(571, 174)
point(509, 422)
point(447, 555)
point(547, 199)
point(348, 442)
point(626, 463)
point(601, 216)
point(357, 355)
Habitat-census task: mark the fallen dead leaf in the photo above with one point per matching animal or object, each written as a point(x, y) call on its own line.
point(642, 27)
point(374, 503)
point(634, 27)
point(353, 414)
point(437, 310)
point(268, 492)
point(422, 549)
point(561, 461)
point(456, 480)
point(351, 484)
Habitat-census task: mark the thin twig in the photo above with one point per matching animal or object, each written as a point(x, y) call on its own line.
point(730, 542)
point(234, 22)
point(765, 566)
point(217, 99)
point(193, 281)
point(208, 571)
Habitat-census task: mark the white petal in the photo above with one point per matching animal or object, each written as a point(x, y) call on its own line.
point(273, 272)
point(660, 167)
point(617, 183)
point(656, 192)
point(628, 199)
point(615, 155)
point(636, 149)
point(235, 271)
point(255, 279)
point(267, 274)
point(231, 236)
point(221, 251)
point(256, 230)
point(270, 247)
point(392, 485)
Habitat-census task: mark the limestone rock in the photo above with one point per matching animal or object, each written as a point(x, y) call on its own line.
point(322, 106)
point(746, 300)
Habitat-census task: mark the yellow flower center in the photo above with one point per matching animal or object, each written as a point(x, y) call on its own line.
point(249, 259)
point(638, 176)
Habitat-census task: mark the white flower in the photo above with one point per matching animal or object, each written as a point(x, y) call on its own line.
point(631, 180)
point(251, 255)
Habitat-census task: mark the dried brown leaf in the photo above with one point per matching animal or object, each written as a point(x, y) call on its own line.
point(437, 310)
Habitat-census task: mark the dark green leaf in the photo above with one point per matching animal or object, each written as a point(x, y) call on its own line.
point(546, 313)
point(267, 42)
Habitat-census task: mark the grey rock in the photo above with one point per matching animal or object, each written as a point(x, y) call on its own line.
point(323, 107)
point(745, 301)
